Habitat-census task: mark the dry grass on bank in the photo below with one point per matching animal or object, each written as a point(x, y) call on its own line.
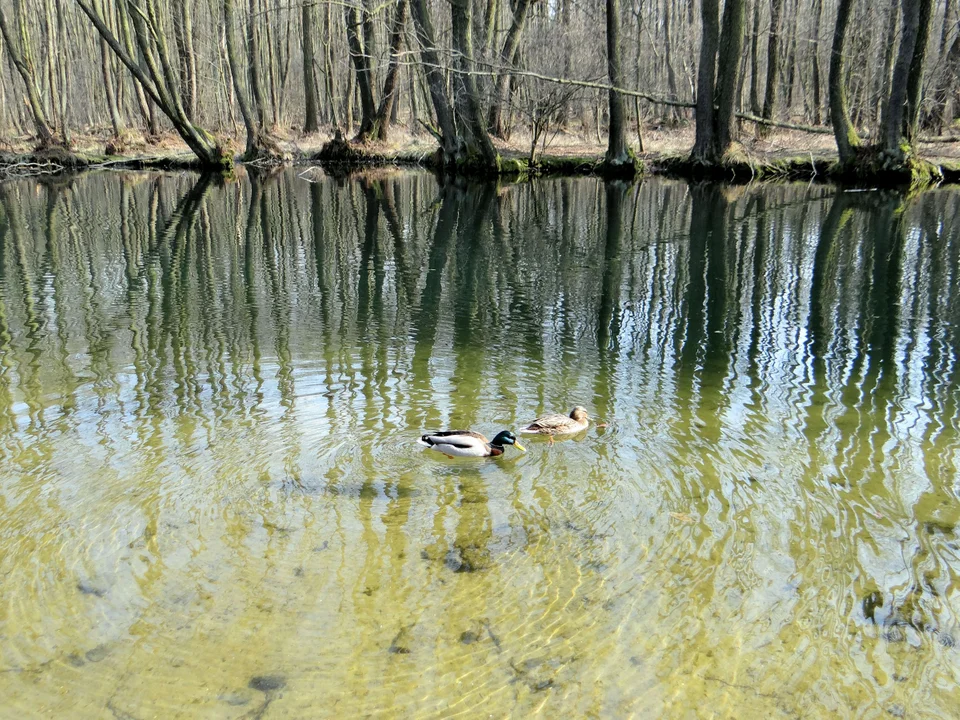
point(658, 140)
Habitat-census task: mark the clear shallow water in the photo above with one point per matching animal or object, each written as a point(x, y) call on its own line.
point(212, 503)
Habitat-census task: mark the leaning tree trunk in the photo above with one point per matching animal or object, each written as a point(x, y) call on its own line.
point(147, 109)
point(311, 106)
point(156, 81)
point(501, 88)
point(618, 154)
point(21, 54)
point(843, 131)
point(446, 134)
point(704, 144)
point(389, 95)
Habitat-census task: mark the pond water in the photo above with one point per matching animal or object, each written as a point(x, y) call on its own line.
point(212, 503)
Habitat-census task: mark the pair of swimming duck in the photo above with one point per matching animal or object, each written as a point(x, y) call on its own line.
point(465, 443)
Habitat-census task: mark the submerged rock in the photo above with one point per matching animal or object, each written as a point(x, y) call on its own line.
point(267, 683)
point(97, 654)
point(90, 589)
point(400, 645)
point(465, 559)
point(469, 637)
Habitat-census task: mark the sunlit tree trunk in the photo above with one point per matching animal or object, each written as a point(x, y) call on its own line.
point(843, 131)
point(731, 45)
point(388, 97)
point(773, 60)
point(436, 82)
point(704, 144)
point(815, 62)
point(915, 77)
point(902, 107)
point(479, 149)
point(946, 91)
point(360, 55)
point(19, 47)
point(146, 107)
point(617, 151)
point(717, 79)
point(158, 80)
point(310, 104)
point(183, 34)
point(755, 106)
point(260, 146)
point(254, 70)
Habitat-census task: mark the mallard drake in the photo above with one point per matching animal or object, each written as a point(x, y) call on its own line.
point(556, 424)
point(464, 443)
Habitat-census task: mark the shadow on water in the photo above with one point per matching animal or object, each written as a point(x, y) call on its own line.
point(210, 393)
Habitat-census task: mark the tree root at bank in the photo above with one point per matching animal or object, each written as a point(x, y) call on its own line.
point(871, 165)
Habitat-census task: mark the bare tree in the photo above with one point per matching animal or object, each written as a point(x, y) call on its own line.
point(20, 49)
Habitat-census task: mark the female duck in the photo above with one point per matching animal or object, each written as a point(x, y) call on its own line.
point(464, 443)
point(554, 424)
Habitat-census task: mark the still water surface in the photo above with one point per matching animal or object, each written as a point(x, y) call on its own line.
point(212, 503)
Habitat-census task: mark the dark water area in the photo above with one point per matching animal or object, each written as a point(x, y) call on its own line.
point(212, 502)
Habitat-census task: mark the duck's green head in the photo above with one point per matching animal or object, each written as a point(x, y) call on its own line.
point(506, 437)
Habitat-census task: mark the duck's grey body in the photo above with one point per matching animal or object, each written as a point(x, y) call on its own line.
point(556, 424)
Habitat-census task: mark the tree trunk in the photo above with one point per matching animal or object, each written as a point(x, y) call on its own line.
point(773, 62)
point(501, 91)
point(905, 85)
point(815, 61)
point(310, 104)
point(157, 83)
point(254, 70)
point(21, 54)
point(704, 145)
point(755, 106)
point(233, 59)
point(146, 107)
point(447, 135)
point(490, 26)
point(915, 78)
point(728, 62)
point(668, 60)
point(792, 57)
point(183, 34)
point(389, 94)
point(843, 131)
point(618, 154)
point(479, 150)
point(361, 62)
point(882, 89)
point(946, 87)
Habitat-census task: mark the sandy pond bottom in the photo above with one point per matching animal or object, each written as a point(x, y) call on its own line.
point(212, 503)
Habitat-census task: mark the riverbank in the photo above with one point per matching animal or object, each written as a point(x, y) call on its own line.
point(782, 155)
